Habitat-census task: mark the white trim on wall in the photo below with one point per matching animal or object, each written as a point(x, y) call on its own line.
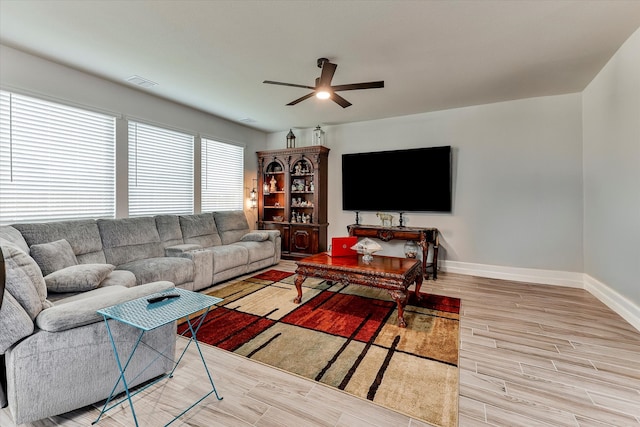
point(518, 274)
point(628, 310)
point(614, 300)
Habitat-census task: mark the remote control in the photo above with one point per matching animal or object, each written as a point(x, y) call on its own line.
point(162, 298)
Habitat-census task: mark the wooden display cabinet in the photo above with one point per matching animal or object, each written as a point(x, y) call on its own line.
point(292, 198)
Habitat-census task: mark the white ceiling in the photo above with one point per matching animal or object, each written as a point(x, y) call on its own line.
point(432, 55)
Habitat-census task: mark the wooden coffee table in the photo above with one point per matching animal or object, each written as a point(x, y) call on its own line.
point(390, 273)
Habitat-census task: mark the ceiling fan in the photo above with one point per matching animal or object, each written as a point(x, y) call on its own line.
point(323, 88)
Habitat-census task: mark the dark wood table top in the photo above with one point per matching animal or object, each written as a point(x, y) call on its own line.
point(383, 265)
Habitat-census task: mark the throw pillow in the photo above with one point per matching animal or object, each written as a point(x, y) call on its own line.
point(255, 236)
point(53, 256)
point(78, 278)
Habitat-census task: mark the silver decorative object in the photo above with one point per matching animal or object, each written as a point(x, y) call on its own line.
point(410, 249)
point(366, 247)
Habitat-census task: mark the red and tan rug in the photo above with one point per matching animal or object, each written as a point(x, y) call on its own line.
point(346, 337)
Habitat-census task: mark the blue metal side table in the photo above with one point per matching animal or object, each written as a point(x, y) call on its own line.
point(146, 316)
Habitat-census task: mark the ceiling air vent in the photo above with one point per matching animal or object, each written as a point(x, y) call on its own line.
point(141, 81)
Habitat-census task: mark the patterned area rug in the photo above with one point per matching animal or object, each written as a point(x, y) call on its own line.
point(346, 337)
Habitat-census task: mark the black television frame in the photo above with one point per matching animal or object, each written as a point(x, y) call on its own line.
point(408, 180)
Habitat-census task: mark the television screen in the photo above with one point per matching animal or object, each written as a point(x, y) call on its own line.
point(397, 181)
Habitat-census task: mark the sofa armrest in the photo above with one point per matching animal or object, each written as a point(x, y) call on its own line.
point(202, 266)
point(15, 323)
point(81, 309)
point(178, 250)
point(273, 234)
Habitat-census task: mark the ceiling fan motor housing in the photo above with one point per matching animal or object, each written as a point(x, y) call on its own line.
point(321, 62)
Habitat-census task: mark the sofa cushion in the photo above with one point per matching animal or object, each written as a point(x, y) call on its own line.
point(255, 236)
point(130, 239)
point(173, 269)
point(53, 256)
point(12, 235)
point(258, 250)
point(23, 279)
point(82, 235)
point(78, 278)
point(119, 278)
point(226, 257)
point(200, 229)
point(232, 225)
point(169, 230)
point(80, 309)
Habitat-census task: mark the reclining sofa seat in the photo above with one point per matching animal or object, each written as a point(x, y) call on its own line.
point(58, 357)
point(53, 341)
point(86, 243)
point(236, 250)
point(133, 244)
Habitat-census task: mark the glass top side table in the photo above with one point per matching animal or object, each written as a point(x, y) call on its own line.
point(145, 316)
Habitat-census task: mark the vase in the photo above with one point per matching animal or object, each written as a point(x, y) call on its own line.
point(410, 249)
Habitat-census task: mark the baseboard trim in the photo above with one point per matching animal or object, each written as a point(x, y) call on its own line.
point(518, 274)
point(612, 299)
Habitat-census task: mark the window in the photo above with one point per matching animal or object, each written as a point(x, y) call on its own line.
point(160, 171)
point(56, 162)
point(222, 176)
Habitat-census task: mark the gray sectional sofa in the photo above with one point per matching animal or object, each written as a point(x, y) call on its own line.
point(57, 355)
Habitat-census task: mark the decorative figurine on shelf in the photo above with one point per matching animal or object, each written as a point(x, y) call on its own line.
point(298, 169)
point(387, 219)
point(291, 140)
point(273, 183)
point(311, 187)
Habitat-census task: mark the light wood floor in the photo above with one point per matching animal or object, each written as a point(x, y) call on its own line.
point(531, 355)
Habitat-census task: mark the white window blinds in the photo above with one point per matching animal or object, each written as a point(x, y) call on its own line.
point(56, 162)
point(160, 171)
point(222, 176)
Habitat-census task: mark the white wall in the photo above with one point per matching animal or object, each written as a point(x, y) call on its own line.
point(517, 179)
point(32, 75)
point(611, 122)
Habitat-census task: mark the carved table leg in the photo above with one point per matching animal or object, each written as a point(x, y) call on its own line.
point(418, 284)
point(299, 279)
point(435, 261)
point(400, 297)
point(425, 251)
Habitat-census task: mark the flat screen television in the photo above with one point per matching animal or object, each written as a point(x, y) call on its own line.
point(398, 181)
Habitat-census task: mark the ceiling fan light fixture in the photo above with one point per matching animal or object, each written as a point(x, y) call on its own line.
point(323, 89)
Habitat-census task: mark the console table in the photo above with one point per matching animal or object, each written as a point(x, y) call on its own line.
point(423, 235)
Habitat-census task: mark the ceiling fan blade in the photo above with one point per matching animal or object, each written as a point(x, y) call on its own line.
point(340, 100)
point(328, 69)
point(302, 98)
point(287, 84)
point(355, 86)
